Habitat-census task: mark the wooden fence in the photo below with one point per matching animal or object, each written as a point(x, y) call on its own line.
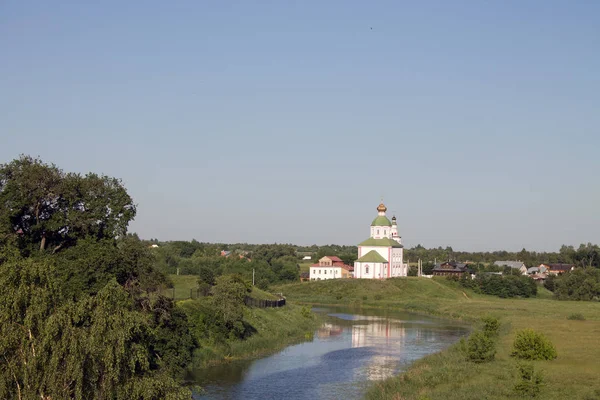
point(252, 302)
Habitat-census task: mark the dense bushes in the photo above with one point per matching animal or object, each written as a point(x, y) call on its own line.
point(270, 263)
point(530, 381)
point(499, 285)
point(481, 345)
point(531, 345)
point(579, 284)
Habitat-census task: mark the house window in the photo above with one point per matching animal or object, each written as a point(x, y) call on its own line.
point(325, 272)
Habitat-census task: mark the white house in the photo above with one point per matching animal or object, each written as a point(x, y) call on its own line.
point(516, 265)
point(330, 267)
point(381, 255)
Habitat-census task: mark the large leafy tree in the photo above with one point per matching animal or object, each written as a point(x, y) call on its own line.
point(43, 207)
point(115, 344)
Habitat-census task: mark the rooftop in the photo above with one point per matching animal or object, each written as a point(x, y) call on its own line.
point(384, 242)
point(373, 257)
point(381, 220)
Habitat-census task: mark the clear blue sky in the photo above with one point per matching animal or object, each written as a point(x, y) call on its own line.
point(278, 121)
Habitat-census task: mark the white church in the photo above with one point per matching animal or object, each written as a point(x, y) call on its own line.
point(381, 255)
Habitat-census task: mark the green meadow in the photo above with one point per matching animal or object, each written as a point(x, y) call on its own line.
point(448, 375)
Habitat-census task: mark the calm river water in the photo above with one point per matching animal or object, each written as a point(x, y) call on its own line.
point(348, 353)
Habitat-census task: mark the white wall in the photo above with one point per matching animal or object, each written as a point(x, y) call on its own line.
point(376, 270)
point(383, 251)
point(323, 273)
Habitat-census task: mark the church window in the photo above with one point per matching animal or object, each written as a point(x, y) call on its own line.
point(384, 232)
point(366, 269)
point(378, 231)
point(325, 272)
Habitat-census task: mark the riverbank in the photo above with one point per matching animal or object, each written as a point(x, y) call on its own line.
point(447, 375)
point(269, 330)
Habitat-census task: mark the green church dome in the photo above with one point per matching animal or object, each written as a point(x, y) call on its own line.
point(381, 220)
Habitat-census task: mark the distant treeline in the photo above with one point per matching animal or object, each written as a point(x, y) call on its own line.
point(190, 256)
point(586, 255)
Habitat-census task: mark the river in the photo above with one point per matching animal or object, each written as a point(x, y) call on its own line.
point(346, 355)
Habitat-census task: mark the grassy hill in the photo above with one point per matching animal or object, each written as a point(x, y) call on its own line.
point(573, 375)
point(183, 284)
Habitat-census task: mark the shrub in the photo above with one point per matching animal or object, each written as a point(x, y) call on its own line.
point(577, 317)
point(364, 297)
point(490, 326)
point(378, 297)
point(531, 345)
point(480, 347)
point(306, 312)
point(530, 382)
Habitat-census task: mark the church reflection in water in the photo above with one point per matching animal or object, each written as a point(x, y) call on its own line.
point(385, 341)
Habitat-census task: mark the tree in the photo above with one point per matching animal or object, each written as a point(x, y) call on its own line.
point(109, 345)
point(45, 208)
point(228, 297)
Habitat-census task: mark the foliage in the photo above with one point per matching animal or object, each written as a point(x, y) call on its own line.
point(206, 275)
point(579, 284)
point(491, 326)
point(550, 283)
point(228, 296)
point(480, 347)
point(586, 255)
point(531, 345)
point(576, 317)
point(45, 208)
point(79, 313)
point(110, 345)
point(530, 381)
point(504, 286)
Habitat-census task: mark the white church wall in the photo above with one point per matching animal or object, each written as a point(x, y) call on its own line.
point(383, 251)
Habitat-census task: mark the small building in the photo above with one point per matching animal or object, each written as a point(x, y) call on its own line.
point(307, 258)
point(225, 253)
point(556, 269)
point(515, 265)
point(450, 268)
point(304, 276)
point(330, 267)
point(537, 270)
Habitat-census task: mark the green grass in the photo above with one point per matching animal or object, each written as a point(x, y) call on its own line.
point(183, 284)
point(275, 328)
point(305, 266)
point(262, 295)
point(447, 375)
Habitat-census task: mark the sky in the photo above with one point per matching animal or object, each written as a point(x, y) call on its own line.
point(478, 123)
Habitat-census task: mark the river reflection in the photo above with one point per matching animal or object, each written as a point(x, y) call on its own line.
point(347, 353)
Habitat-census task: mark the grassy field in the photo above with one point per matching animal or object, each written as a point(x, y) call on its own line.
point(447, 375)
point(183, 286)
point(305, 266)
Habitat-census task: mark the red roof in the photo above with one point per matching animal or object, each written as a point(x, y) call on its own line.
point(334, 258)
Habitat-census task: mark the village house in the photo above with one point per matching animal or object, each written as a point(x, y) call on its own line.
point(555, 269)
point(515, 265)
point(450, 268)
point(330, 267)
